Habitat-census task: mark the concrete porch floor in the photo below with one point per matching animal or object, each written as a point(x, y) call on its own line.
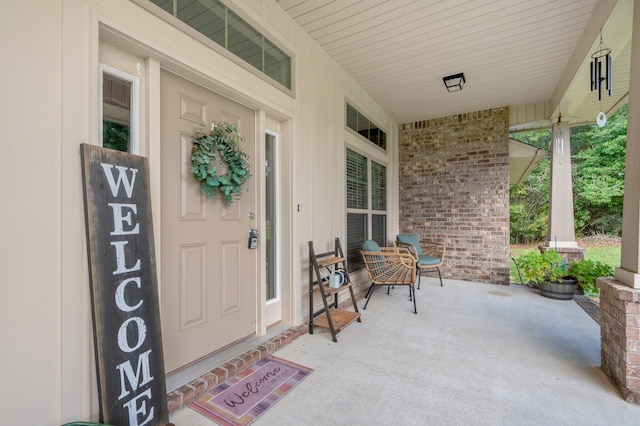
point(474, 354)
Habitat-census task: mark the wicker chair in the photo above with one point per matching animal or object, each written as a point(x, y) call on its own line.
point(389, 266)
point(429, 255)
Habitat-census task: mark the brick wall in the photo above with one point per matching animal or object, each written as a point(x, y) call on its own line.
point(454, 188)
point(620, 336)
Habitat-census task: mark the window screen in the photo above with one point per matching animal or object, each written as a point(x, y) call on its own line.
point(378, 186)
point(379, 229)
point(357, 185)
point(356, 236)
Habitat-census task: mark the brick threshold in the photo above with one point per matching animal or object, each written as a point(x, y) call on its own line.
point(186, 394)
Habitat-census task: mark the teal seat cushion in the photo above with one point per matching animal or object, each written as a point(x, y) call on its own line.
point(428, 260)
point(377, 263)
point(370, 245)
point(411, 239)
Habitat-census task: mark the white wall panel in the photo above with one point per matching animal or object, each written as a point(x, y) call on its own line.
point(50, 107)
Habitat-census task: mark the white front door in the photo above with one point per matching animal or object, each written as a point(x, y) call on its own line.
point(208, 273)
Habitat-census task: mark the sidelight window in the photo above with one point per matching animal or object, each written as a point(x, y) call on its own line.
point(119, 99)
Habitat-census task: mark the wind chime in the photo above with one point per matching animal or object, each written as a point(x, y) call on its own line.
point(603, 54)
point(559, 140)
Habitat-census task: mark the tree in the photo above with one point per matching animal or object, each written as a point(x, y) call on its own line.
point(529, 201)
point(598, 175)
point(598, 161)
point(529, 207)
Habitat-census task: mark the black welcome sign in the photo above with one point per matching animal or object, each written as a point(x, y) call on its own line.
point(124, 291)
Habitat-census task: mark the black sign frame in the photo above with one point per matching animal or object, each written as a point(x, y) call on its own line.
point(124, 289)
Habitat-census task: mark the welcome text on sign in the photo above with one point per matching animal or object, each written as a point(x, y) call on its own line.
point(124, 293)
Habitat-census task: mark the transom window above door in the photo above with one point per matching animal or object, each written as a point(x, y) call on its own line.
point(218, 23)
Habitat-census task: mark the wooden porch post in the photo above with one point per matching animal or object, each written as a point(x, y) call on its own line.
point(620, 297)
point(561, 234)
point(630, 260)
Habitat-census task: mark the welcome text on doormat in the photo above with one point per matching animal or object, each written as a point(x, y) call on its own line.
point(243, 398)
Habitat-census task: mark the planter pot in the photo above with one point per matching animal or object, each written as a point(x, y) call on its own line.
point(559, 290)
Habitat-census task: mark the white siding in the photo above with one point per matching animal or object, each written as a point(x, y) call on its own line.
point(50, 107)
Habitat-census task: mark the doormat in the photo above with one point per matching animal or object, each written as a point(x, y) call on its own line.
point(245, 397)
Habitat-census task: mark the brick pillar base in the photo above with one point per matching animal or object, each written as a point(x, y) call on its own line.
point(569, 254)
point(620, 336)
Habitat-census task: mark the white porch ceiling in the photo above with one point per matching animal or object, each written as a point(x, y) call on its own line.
point(512, 52)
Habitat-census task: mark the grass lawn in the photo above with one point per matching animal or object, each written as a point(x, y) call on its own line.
point(608, 254)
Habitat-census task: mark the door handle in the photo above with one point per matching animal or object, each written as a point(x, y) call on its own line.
point(253, 238)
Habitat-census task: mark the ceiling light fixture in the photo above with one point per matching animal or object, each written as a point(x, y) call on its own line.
point(454, 82)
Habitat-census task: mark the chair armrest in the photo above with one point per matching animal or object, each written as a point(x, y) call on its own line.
point(390, 254)
point(433, 249)
point(408, 247)
point(391, 266)
point(396, 250)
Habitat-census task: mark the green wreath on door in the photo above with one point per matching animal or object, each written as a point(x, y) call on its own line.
point(218, 163)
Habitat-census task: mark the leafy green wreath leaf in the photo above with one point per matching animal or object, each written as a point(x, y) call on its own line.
point(220, 147)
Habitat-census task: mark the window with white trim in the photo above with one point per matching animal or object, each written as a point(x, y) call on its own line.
point(366, 205)
point(220, 24)
point(119, 100)
point(366, 128)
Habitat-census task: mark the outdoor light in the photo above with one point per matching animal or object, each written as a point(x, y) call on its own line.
point(454, 82)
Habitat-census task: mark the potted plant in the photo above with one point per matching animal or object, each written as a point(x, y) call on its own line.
point(586, 272)
point(547, 271)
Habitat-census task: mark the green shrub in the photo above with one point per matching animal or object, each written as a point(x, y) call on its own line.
point(586, 272)
point(537, 267)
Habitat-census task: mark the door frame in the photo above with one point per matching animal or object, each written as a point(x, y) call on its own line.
point(269, 115)
point(268, 123)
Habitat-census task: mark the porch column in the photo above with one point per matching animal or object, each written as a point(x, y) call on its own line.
point(620, 297)
point(630, 259)
point(561, 234)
